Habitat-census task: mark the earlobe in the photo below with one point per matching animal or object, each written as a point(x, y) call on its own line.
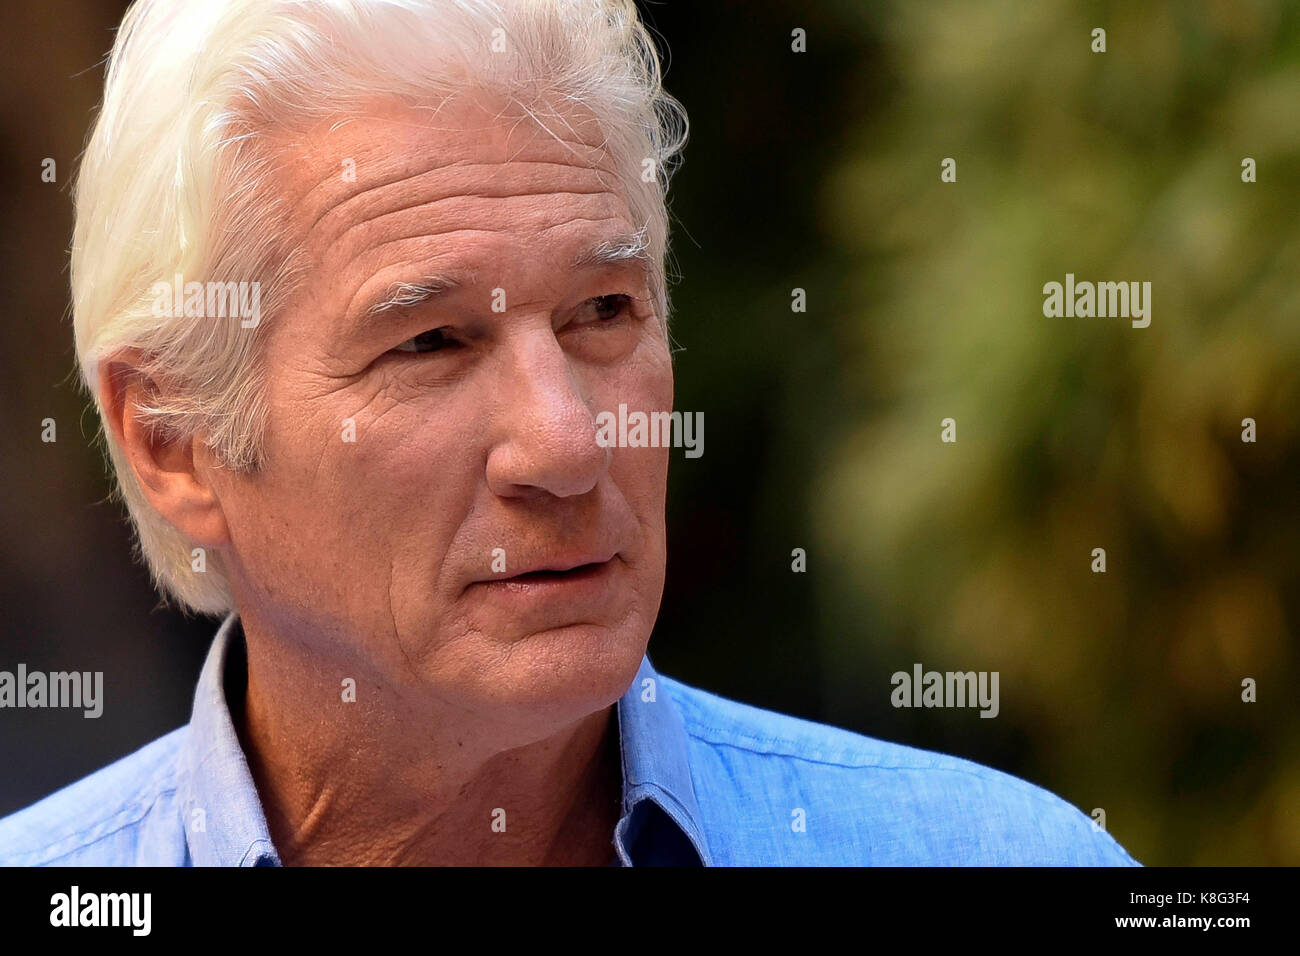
point(164, 466)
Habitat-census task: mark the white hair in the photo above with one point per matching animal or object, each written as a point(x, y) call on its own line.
point(173, 181)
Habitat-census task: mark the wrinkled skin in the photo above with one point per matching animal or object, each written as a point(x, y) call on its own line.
point(372, 559)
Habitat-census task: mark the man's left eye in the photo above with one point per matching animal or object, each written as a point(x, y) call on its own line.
point(434, 340)
point(606, 307)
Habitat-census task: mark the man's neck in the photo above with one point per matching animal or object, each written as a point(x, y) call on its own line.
point(376, 786)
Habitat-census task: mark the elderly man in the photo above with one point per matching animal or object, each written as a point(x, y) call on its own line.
point(353, 280)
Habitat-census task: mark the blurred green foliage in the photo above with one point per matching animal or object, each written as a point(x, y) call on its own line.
point(1120, 691)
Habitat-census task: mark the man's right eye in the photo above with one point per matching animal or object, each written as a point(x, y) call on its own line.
point(434, 340)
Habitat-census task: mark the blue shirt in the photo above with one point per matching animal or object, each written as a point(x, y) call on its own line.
point(706, 781)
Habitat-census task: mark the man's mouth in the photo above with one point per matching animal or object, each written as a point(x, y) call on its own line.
point(577, 577)
point(590, 569)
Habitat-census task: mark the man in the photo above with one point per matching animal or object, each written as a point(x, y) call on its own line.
point(352, 282)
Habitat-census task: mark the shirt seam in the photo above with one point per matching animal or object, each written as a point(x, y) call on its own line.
point(982, 774)
point(1024, 786)
point(765, 747)
point(144, 809)
point(731, 738)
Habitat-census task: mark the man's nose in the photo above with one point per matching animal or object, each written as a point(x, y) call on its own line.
point(547, 433)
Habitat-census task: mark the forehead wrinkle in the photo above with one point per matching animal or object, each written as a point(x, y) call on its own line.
point(369, 254)
point(411, 160)
point(403, 175)
point(426, 233)
point(368, 251)
point(382, 209)
point(390, 134)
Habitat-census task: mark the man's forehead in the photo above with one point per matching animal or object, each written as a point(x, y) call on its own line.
point(402, 204)
point(392, 147)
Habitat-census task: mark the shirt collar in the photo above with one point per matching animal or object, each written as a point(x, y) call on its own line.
point(224, 822)
point(661, 816)
point(226, 826)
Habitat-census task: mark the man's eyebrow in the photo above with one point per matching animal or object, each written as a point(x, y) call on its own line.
point(629, 247)
point(404, 295)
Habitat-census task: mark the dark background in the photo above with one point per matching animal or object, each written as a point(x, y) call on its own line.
point(820, 171)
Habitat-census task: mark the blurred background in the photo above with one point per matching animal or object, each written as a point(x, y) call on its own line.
point(821, 171)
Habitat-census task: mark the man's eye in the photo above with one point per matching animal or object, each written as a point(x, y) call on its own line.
point(606, 307)
point(433, 340)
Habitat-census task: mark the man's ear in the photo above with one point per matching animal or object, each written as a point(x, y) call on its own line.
point(164, 468)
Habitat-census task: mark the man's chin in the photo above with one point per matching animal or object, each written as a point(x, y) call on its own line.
point(566, 672)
